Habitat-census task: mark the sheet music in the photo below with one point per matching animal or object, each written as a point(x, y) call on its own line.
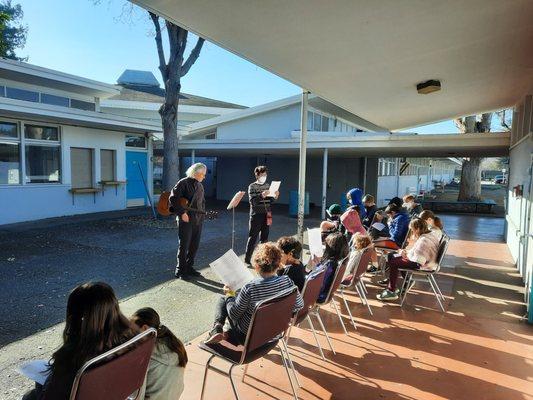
point(378, 225)
point(314, 237)
point(36, 370)
point(236, 200)
point(274, 187)
point(231, 270)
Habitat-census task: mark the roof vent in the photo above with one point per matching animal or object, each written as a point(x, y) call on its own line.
point(428, 86)
point(131, 77)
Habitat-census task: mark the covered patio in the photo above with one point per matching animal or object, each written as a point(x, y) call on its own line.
point(479, 349)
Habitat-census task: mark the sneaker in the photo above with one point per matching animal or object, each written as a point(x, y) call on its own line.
point(387, 295)
point(372, 269)
point(383, 282)
point(215, 335)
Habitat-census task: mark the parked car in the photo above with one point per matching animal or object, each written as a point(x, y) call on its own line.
point(500, 179)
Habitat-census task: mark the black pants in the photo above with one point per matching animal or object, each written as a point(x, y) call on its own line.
point(221, 315)
point(257, 225)
point(189, 240)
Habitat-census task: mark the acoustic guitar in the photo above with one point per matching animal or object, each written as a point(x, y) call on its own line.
point(163, 207)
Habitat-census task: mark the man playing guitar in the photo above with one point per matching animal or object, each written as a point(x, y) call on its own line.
point(188, 219)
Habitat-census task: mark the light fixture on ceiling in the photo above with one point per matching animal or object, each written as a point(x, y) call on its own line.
point(427, 87)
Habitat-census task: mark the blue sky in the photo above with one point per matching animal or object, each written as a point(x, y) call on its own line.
point(94, 41)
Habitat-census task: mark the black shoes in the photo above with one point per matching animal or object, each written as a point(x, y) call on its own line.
point(182, 276)
point(193, 272)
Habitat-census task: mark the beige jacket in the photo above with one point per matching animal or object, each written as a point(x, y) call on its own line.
point(164, 379)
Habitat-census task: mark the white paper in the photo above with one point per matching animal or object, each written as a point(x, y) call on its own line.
point(378, 225)
point(274, 187)
point(314, 237)
point(36, 370)
point(231, 270)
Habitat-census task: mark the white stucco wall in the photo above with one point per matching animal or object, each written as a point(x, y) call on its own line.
point(278, 123)
point(36, 201)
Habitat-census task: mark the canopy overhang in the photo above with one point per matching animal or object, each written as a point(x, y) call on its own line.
point(366, 57)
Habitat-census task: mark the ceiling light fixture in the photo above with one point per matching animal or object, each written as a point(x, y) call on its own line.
point(427, 87)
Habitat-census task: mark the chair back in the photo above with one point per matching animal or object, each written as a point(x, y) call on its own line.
point(364, 260)
point(119, 373)
point(406, 239)
point(337, 279)
point(270, 320)
point(310, 293)
point(441, 252)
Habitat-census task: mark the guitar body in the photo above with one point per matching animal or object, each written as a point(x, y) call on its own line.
point(163, 207)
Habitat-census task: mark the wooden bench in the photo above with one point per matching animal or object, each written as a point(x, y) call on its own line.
point(433, 205)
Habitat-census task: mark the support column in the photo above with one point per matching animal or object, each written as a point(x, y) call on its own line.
point(193, 156)
point(324, 182)
point(398, 177)
point(364, 174)
point(302, 166)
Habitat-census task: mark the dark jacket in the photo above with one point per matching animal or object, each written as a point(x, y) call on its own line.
point(258, 204)
point(331, 268)
point(193, 191)
point(398, 227)
point(370, 212)
point(297, 274)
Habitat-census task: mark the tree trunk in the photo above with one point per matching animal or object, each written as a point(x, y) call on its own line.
point(171, 167)
point(470, 180)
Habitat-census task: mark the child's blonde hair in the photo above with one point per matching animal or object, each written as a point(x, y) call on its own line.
point(361, 241)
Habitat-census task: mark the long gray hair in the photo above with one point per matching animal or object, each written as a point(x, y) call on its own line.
point(194, 169)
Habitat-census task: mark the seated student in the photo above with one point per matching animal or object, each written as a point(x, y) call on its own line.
point(414, 209)
point(336, 250)
point(357, 246)
point(164, 379)
point(93, 325)
point(435, 224)
point(291, 251)
point(370, 208)
point(332, 222)
point(239, 310)
point(355, 198)
point(351, 221)
point(398, 228)
point(421, 256)
point(380, 226)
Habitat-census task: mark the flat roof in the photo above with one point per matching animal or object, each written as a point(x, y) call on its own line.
point(368, 56)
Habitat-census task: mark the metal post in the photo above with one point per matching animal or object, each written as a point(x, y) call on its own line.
point(193, 156)
point(398, 177)
point(302, 166)
point(233, 229)
point(364, 174)
point(324, 182)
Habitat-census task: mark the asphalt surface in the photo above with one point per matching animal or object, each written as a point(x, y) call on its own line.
point(41, 262)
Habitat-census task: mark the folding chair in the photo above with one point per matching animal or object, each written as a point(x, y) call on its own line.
point(337, 278)
point(270, 321)
point(386, 251)
point(355, 280)
point(428, 275)
point(119, 373)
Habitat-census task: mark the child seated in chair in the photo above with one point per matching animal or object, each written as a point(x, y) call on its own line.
point(358, 245)
point(238, 308)
point(336, 250)
point(291, 265)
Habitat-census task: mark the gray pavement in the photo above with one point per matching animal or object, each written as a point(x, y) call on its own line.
point(41, 262)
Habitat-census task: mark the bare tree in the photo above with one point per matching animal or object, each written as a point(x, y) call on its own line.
point(172, 70)
point(470, 188)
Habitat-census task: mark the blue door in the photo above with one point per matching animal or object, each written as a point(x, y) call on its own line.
point(135, 189)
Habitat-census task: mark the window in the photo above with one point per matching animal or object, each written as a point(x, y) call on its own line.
point(136, 141)
point(325, 122)
point(54, 100)
point(317, 122)
point(41, 132)
point(42, 164)
point(8, 130)
point(2, 91)
point(9, 164)
point(211, 136)
point(309, 121)
point(82, 105)
point(81, 162)
point(107, 165)
point(22, 94)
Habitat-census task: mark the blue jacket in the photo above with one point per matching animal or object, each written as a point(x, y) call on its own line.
point(398, 227)
point(356, 199)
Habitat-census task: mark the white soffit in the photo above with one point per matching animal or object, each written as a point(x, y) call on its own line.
point(367, 56)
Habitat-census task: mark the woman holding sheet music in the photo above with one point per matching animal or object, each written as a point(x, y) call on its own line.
point(260, 211)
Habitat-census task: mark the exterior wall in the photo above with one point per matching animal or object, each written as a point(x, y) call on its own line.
point(235, 173)
point(278, 123)
point(153, 115)
point(36, 201)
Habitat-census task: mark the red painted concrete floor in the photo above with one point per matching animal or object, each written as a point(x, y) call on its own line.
point(479, 349)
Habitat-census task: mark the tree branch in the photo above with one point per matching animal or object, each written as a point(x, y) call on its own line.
point(503, 122)
point(159, 43)
point(460, 124)
point(195, 53)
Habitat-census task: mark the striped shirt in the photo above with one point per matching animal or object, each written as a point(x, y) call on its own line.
point(241, 309)
point(258, 204)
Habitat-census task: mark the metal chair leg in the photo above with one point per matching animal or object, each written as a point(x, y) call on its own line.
point(437, 287)
point(244, 372)
point(339, 315)
point(205, 376)
point(407, 283)
point(233, 383)
point(289, 359)
point(363, 285)
point(348, 308)
point(436, 293)
point(316, 337)
point(365, 299)
point(324, 330)
point(288, 373)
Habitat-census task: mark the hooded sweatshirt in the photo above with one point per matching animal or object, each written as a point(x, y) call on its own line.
point(356, 199)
